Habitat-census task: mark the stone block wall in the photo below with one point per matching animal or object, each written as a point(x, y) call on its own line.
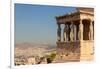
point(87, 50)
point(79, 50)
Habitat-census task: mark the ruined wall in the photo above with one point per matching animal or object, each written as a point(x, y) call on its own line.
point(69, 50)
point(79, 50)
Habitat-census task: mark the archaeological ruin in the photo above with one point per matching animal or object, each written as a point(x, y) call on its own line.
point(77, 43)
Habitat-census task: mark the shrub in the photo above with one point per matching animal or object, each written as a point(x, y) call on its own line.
point(50, 57)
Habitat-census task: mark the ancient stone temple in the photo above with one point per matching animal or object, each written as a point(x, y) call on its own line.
point(77, 42)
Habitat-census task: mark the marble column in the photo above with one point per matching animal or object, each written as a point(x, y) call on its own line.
point(65, 33)
point(91, 31)
point(75, 32)
point(80, 33)
point(59, 33)
point(72, 32)
point(68, 30)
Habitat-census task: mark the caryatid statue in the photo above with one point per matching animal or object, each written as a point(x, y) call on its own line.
point(59, 33)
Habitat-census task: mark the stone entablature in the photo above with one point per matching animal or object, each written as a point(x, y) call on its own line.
point(76, 16)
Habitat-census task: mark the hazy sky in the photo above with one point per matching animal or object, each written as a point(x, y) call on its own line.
point(37, 23)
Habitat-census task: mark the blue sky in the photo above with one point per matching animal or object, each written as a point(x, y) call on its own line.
point(37, 23)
